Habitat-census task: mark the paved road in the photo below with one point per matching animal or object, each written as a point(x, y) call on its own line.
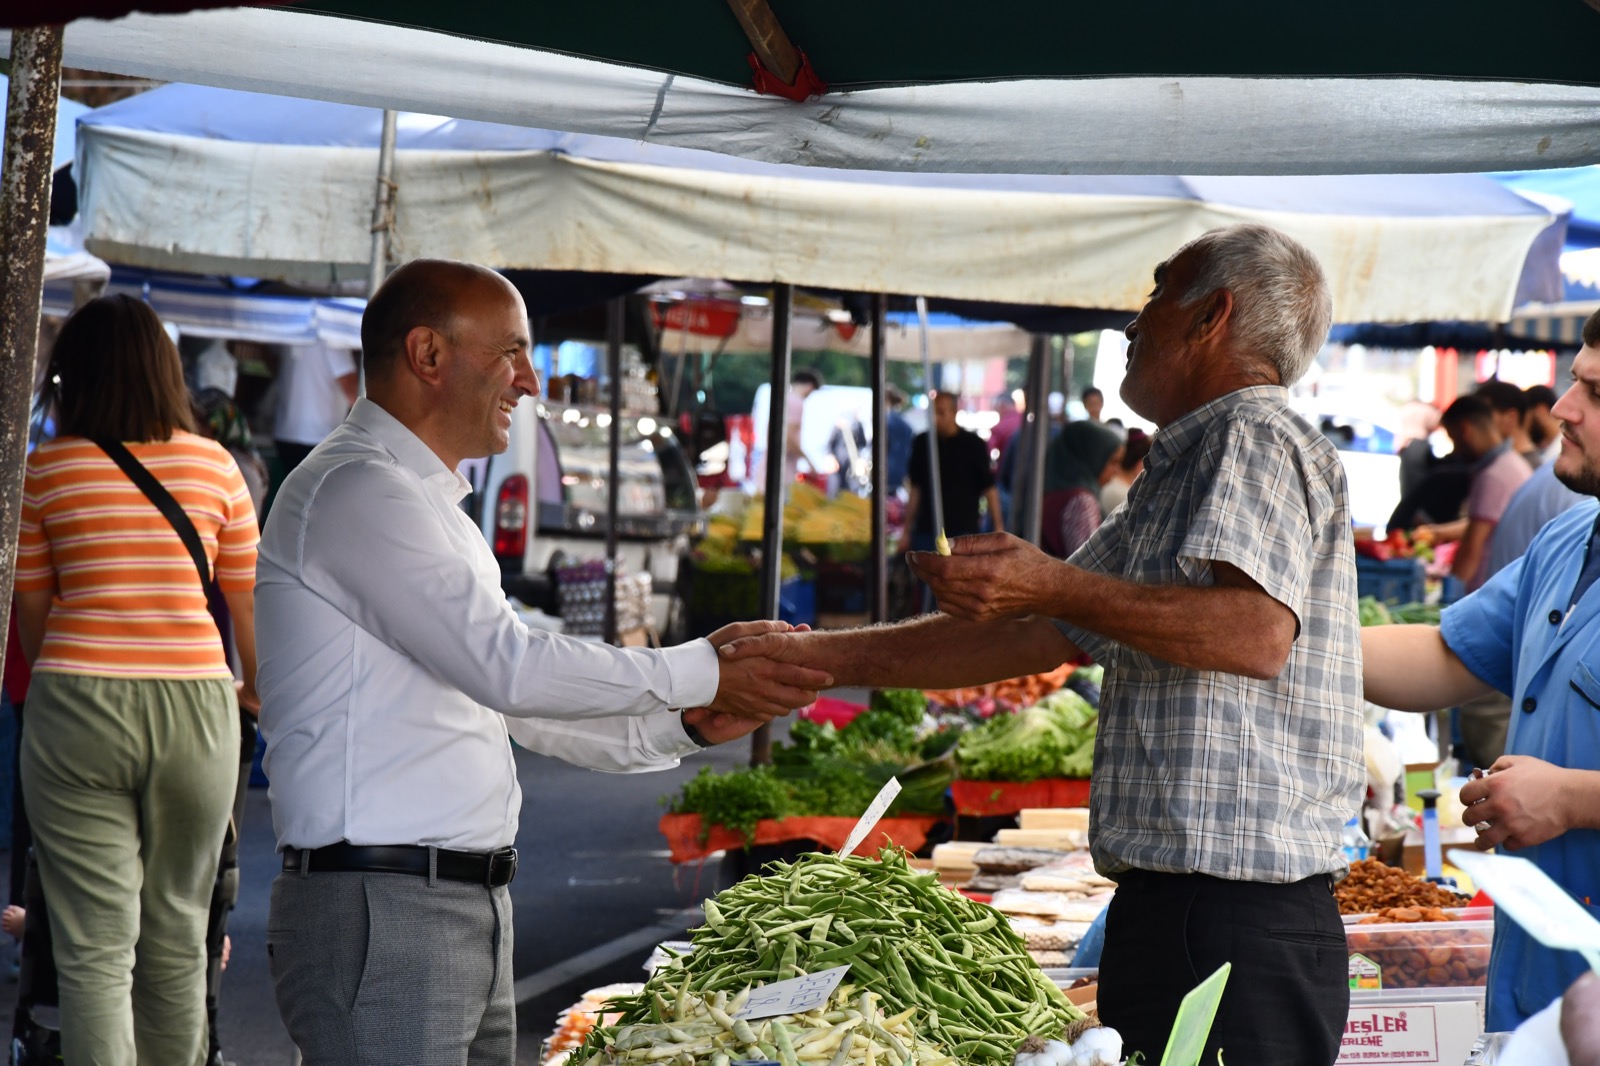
point(594, 887)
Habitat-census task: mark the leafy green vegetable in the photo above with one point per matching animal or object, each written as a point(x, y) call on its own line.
point(737, 800)
point(829, 772)
point(1053, 738)
point(907, 704)
point(1373, 612)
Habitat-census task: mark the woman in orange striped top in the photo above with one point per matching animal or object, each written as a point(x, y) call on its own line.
point(130, 755)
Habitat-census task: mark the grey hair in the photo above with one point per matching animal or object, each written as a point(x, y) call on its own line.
point(1281, 305)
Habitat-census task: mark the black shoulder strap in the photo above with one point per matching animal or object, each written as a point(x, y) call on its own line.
point(164, 502)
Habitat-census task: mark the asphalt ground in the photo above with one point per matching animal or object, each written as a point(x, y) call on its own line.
point(594, 892)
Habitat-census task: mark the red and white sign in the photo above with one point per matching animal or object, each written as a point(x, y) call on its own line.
point(1435, 1033)
point(705, 318)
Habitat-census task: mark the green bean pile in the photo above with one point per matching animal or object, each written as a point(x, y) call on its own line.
point(908, 940)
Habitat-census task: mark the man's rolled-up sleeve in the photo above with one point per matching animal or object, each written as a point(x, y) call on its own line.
point(1254, 516)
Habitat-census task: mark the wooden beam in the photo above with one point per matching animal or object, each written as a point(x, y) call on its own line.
point(767, 39)
point(24, 216)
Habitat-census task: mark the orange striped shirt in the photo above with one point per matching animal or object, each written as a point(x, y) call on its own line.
point(128, 602)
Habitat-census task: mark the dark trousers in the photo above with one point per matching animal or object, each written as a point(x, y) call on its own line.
point(1288, 994)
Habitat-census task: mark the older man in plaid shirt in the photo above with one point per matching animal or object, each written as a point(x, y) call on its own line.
point(1221, 600)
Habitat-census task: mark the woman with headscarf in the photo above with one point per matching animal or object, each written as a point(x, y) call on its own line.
point(1081, 458)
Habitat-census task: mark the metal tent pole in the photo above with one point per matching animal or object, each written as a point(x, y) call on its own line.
point(614, 323)
point(1038, 438)
point(877, 369)
point(772, 507)
point(935, 482)
point(24, 216)
point(382, 207)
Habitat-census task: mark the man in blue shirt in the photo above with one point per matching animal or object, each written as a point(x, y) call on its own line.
point(1532, 632)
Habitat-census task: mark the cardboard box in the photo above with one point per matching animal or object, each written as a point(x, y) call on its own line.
point(1430, 1026)
point(1054, 818)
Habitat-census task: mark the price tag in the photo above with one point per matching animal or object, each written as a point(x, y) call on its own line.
point(1535, 902)
point(794, 996)
point(1193, 1024)
point(875, 810)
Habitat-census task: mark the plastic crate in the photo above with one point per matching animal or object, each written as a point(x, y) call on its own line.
point(1395, 581)
point(797, 602)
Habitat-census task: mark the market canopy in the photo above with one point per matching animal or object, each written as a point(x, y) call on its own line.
point(1138, 87)
point(213, 181)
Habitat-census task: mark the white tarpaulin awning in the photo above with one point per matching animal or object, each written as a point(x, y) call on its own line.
point(1133, 119)
point(208, 181)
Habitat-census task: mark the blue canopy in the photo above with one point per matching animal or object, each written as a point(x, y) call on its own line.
point(1579, 186)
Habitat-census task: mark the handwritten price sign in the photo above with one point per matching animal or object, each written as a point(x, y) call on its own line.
point(794, 996)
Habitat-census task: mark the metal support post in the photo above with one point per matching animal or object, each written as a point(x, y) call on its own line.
point(614, 325)
point(24, 217)
point(877, 555)
point(772, 513)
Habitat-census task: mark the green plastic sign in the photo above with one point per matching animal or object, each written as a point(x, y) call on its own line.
point(1193, 1024)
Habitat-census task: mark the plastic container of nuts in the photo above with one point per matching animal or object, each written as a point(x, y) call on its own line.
point(1417, 947)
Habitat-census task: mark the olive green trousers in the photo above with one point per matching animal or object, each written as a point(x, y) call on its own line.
point(129, 785)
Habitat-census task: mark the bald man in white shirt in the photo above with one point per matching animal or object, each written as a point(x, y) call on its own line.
point(393, 676)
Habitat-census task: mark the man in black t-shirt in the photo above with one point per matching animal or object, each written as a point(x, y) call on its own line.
point(965, 478)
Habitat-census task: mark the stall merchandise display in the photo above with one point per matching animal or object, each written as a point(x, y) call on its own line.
point(1051, 739)
point(1050, 896)
point(1373, 886)
point(688, 839)
point(1036, 756)
point(1008, 694)
point(1375, 612)
point(574, 1024)
point(950, 969)
point(1411, 947)
point(824, 771)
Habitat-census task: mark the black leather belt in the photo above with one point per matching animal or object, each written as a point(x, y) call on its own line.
point(491, 869)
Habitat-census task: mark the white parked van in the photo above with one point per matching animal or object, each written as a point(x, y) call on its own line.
point(543, 501)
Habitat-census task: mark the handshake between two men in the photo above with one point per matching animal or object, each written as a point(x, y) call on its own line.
point(992, 590)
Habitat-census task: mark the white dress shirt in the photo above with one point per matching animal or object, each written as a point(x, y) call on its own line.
point(392, 669)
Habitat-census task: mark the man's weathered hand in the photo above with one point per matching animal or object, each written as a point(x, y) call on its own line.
point(988, 577)
point(777, 646)
point(1522, 799)
point(756, 685)
point(736, 630)
point(720, 728)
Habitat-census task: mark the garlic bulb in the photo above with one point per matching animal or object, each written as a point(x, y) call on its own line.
point(1098, 1046)
point(1037, 1051)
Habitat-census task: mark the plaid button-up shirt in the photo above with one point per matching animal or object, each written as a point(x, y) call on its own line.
point(1210, 772)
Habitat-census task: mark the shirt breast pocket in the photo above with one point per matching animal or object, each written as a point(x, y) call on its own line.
point(1586, 685)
